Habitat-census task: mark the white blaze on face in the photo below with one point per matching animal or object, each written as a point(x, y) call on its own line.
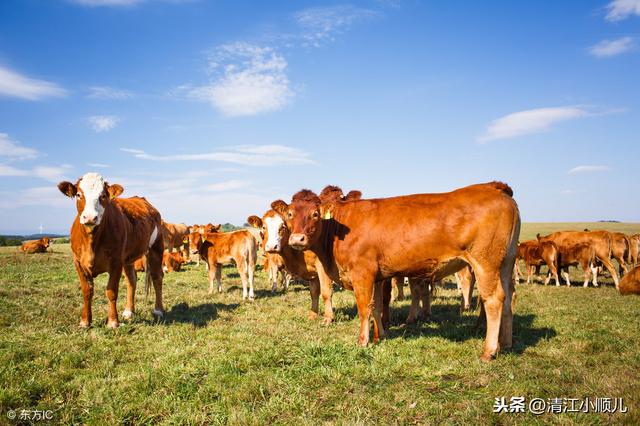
point(92, 185)
point(273, 224)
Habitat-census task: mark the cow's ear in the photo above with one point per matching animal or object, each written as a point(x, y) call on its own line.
point(538, 236)
point(114, 190)
point(255, 221)
point(326, 211)
point(216, 228)
point(68, 189)
point(353, 195)
point(280, 207)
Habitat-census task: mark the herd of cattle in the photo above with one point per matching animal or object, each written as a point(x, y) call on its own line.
point(365, 245)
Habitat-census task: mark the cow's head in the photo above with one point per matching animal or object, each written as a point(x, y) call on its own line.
point(92, 195)
point(195, 240)
point(273, 230)
point(45, 242)
point(209, 227)
point(303, 218)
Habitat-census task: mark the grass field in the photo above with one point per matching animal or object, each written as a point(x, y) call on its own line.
point(214, 359)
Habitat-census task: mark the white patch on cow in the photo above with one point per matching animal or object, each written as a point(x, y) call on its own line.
point(273, 224)
point(92, 185)
point(127, 314)
point(154, 235)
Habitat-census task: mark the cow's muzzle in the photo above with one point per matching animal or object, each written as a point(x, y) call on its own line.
point(299, 241)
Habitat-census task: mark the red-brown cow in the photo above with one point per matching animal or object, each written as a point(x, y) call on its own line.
point(274, 264)
point(634, 250)
point(217, 249)
point(36, 246)
point(361, 243)
point(600, 240)
point(173, 235)
point(583, 254)
point(630, 283)
point(535, 254)
point(108, 235)
point(172, 262)
point(620, 246)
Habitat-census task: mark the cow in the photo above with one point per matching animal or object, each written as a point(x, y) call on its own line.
point(583, 254)
point(630, 283)
point(202, 229)
point(172, 262)
point(535, 254)
point(174, 235)
point(362, 243)
point(398, 284)
point(634, 249)
point(108, 235)
point(274, 264)
point(601, 241)
point(35, 246)
point(217, 249)
point(620, 251)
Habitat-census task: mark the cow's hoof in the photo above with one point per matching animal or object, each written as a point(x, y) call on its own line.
point(127, 314)
point(486, 357)
point(113, 324)
point(327, 320)
point(312, 315)
point(84, 324)
point(158, 313)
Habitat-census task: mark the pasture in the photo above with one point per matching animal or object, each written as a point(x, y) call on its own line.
point(216, 360)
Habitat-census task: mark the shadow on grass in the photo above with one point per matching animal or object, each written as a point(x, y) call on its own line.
point(198, 315)
point(447, 322)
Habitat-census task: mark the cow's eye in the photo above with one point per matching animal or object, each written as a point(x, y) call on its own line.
point(316, 214)
point(290, 215)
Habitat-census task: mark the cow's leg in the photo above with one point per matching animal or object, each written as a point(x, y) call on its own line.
point(493, 299)
point(397, 283)
point(273, 276)
point(286, 278)
point(565, 274)
point(242, 270)
point(314, 289)
point(115, 273)
point(415, 288)
point(86, 285)
point(529, 272)
point(363, 287)
point(212, 275)
point(622, 267)
point(154, 263)
point(425, 298)
point(607, 264)
point(131, 278)
point(594, 274)
point(467, 293)
point(516, 274)
point(386, 301)
point(587, 271)
point(378, 307)
point(251, 269)
point(326, 290)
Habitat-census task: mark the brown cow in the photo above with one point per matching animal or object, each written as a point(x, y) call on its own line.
point(634, 250)
point(583, 254)
point(36, 246)
point(108, 235)
point(601, 241)
point(535, 254)
point(361, 243)
point(620, 245)
point(172, 262)
point(274, 264)
point(630, 283)
point(174, 235)
point(217, 249)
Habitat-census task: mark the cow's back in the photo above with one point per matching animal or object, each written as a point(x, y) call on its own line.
point(142, 226)
point(630, 283)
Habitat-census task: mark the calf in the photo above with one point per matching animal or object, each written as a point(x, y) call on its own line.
point(217, 249)
point(620, 246)
point(630, 283)
point(634, 249)
point(173, 235)
point(535, 253)
point(108, 235)
point(361, 243)
point(172, 262)
point(37, 246)
point(600, 240)
point(274, 264)
point(583, 254)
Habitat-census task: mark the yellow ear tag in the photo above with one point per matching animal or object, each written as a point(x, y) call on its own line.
point(327, 215)
point(203, 238)
point(185, 240)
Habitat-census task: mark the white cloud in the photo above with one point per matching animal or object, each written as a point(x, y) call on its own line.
point(98, 165)
point(103, 123)
point(106, 92)
point(16, 85)
point(12, 150)
point(247, 155)
point(229, 185)
point(530, 121)
point(320, 24)
point(606, 48)
point(38, 196)
point(50, 173)
point(618, 10)
point(247, 80)
point(588, 169)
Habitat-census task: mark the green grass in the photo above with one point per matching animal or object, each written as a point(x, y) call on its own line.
point(217, 360)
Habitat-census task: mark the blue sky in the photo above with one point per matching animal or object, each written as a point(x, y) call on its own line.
point(212, 109)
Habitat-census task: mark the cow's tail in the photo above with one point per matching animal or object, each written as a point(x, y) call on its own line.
point(147, 278)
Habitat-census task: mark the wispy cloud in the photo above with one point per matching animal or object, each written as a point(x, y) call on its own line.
point(111, 93)
point(38, 196)
point(103, 123)
point(50, 173)
point(589, 169)
point(246, 80)
point(607, 48)
point(13, 150)
point(247, 155)
point(530, 121)
point(618, 10)
point(322, 24)
point(229, 185)
point(98, 165)
point(13, 84)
